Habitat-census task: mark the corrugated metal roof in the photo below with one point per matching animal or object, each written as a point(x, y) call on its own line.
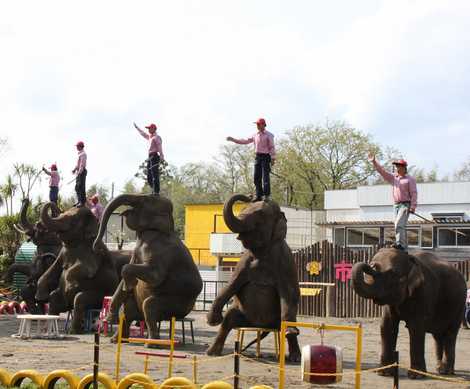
point(388, 222)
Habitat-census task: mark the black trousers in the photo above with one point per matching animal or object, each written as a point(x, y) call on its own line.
point(80, 187)
point(153, 172)
point(53, 194)
point(261, 176)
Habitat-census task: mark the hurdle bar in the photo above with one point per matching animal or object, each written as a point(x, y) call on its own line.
point(328, 327)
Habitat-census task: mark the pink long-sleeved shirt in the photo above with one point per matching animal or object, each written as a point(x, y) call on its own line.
point(264, 143)
point(81, 162)
point(404, 188)
point(155, 143)
point(97, 210)
point(54, 177)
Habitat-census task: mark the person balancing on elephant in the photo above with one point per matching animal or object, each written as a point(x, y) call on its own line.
point(265, 156)
point(155, 156)
point(405, 196)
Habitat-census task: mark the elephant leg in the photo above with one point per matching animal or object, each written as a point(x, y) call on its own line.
point(131, 313)
point(388, 334)
point(49, 278)
point(120, 296)
point(214, 316)
point(57, 303)
point(27, 294)
point(81, 303)
point(417, 336)
point(131, 273)
point(233, 318)
point(289, 306)
point(439, 349)
point(448, 362)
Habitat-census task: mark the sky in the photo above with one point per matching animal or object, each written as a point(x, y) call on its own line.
point(203, 70)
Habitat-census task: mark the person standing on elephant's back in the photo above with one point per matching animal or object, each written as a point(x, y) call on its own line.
point(80, 170)
point(155, 156)
point(265, 156)
point(405, 197)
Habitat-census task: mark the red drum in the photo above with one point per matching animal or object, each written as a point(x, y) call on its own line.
point(321, 359)
point(23, 307)
point(13, 307)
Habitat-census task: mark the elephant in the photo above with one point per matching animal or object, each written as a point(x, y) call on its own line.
point(84, 276)
point(264, 285)
point(48, 246)
point(428, 294)
point(162, 281)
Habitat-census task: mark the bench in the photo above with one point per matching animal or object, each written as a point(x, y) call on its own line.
point(47, 327)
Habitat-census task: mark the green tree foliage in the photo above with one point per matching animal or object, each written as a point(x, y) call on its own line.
point(27, 176)
point(101, 191)
point(10, 241)
point(7, 192)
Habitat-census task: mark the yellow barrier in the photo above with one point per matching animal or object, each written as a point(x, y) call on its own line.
point(261, 387)
point(19, 376)
point(5, 377)
point(177, 382)
point(282, 352)
point(56, 375)
point(103, 379)
point(217, 385)
point(139, 379)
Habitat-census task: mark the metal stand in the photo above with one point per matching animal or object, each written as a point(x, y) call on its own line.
point(236, 366)
point(396, 377)
point(96, 360)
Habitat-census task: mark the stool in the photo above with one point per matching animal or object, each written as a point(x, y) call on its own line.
point(47, 322)
point(241, 334)
point(189, 320)
point(89, 316)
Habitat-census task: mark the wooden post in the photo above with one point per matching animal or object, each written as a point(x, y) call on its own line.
point(236, 366)
point(96, 360)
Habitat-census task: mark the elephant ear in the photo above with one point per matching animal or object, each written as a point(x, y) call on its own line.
point(280, 228)
point(415, 276)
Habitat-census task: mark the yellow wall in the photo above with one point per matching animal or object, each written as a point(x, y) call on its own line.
point(199, 224)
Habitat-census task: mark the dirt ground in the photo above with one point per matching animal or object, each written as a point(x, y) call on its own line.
point(76, 353)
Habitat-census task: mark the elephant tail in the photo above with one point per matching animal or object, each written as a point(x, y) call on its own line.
point(263, 335)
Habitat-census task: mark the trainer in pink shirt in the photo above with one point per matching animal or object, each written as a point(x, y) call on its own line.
point(155, 143)
point(404, 187)
point(81, 163)
point(54, 177)
point(97, 210)
point(264, 143)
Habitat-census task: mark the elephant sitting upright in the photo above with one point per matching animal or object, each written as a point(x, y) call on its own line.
point(84, 277)
point(48, 246)
point(264, 285)
point(162, 279)
point(426, 293)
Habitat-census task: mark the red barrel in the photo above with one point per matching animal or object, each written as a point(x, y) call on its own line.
point(321, 359)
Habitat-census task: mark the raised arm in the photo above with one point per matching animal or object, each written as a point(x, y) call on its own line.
point(241, 141)
point(386, 175)
point(143, 133)
point(46, 171)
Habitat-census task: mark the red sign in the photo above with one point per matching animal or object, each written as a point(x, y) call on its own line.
point(343, 271)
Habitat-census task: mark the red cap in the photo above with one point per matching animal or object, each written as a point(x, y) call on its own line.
point(400, 162)
point(80, 144)
point(53, 167)
point(152, 127)
point(94, 198)
point(260, 121)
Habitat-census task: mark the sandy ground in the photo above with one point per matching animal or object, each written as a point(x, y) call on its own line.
point(76, 353)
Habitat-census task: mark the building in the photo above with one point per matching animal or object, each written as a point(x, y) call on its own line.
point(213, 245)
point(364, 217)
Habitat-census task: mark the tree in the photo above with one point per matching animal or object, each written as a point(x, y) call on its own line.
point(130, 187)
point(463, 172)
point(315, 158)
point(8, 191)
point(27, 176)
point(101, 191)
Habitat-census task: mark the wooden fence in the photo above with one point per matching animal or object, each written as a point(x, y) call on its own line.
point(340, 300)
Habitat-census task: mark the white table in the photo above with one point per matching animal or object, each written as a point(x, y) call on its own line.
point(47, 326)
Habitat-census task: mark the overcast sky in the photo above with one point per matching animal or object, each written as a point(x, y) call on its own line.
point(202, 70)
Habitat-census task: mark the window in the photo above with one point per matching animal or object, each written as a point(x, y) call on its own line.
point(454, 237)
point(389, 235)
point(339, 236)
point(412, 235)
point(426, 237)
point(363, 236)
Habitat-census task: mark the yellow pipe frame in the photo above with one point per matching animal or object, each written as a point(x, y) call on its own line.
point(327, 327)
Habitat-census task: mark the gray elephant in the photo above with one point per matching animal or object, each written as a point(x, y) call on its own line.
point(84, 277)
point(48, 246)
point(264, 285)
point(162, 279)
point(426, 293)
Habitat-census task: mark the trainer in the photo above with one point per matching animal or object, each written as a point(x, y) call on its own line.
point(265, 157)
point(405, 196)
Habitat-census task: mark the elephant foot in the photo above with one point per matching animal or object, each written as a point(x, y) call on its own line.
point(153, 346)
point(294, 349)
point(386, 372)
point(416, 376)
point(77, 331)
point(114, 339)
point(445, 370)
point(214, 318)
point(214, 351)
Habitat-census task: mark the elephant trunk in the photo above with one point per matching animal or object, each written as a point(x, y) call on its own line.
point(125, 199)
point(234, 223)
point(364, 281)
point(59, 223)
point(25, 224)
